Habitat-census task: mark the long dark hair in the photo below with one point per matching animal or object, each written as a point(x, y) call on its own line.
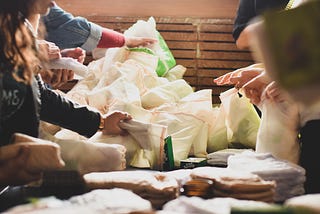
point(17, 45)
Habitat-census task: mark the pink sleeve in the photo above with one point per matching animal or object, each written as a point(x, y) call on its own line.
point(110, 39)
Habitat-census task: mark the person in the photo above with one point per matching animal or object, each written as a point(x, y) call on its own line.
point(253, 83)
point(67, 31)
point(247, 10)
point(69, 36)
point(56, 77)
point(20, 175)
point(24, 98)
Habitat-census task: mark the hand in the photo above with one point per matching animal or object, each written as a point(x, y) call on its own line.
point(138, 41)
point(76, 53)
point(52, 51)
point(14, 170)
point(274, 93)
point(254, 88)
point(57, 77)
point(240, 76)
point(111, 123)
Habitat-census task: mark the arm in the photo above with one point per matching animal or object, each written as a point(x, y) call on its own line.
point(14, 170)
point(58, 110)
point(68, 31)
point(245, 12)
point(84, 120)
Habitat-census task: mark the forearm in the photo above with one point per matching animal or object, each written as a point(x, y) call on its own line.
point(242, 41)
point(60, 111)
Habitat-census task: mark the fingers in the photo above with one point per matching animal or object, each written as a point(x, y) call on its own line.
point(274, 93)
point(139, 41)
point(113, 121)
point(239, 77)
point(243, 77)
point(51, 49)
point(223, 80)
point(60, 77)
point(76, 53)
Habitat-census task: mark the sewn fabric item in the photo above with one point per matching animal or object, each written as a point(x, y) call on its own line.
point(70, 64)
point(270, 168)
point(278, 133)
point(95, 201)
point(237, 184)
point(144, 133)
point(156, 187)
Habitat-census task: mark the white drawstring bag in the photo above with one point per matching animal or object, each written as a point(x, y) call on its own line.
point(241, 119)
point(278, 133)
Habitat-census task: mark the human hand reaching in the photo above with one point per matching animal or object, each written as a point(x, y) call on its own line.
point(132, 42)
point(49, 48)
point(274, 93)
point(111, 123)
point(253, 89)
point(57, 77)
point(76, 53)
point(239, 77)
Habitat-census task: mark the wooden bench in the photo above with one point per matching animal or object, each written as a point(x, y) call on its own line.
point(197, 32)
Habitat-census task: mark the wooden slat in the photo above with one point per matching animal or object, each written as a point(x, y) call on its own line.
point(176, 8)
point(212, 72)
point(182, 45)
point(180, 36)
point(222, 64)
point(225, 55)
point(190, 72)
point(184, 54)
point(222, 37)
point(224, 46)
point(189, 63)
point(191, 80)
point(216, 28)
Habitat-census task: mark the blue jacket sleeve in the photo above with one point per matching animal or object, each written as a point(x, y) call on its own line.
point(67, 31)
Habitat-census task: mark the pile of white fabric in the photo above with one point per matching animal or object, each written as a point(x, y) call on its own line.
point(220, 158)
point(96, 201)
point(289, 177)
point(191, 205)
point(157, 187)
point(127, 80)
point(236, 183)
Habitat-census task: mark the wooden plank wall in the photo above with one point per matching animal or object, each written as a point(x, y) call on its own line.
point(204, 45)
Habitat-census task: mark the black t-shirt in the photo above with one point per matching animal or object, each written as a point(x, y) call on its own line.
point(18, 109)
point(249, 9)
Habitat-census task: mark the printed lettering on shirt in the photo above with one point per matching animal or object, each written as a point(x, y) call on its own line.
point(11, 97)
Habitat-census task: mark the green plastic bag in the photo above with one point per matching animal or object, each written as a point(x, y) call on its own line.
point(166, 60)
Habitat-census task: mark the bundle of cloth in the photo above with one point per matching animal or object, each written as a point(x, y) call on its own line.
point(236, 183)
point(156, 187)
point(191, 205)
point(271, 169)
point(220, 158)
point(96, 201)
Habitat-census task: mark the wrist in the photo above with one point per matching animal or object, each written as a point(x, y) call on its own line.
point(101, 123)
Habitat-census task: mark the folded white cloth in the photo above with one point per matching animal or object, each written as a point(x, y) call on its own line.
point(97, 201)
point(270, 168)
point(144, 133)
point(70, 64)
